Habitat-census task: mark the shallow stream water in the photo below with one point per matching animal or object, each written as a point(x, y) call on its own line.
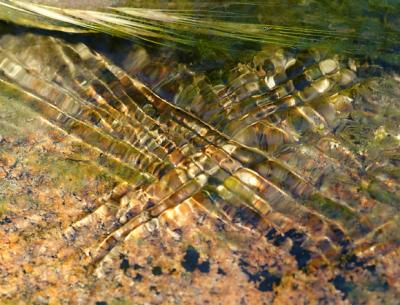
point(253, 160)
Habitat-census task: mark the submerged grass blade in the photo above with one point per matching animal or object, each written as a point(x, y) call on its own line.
point(182, 27)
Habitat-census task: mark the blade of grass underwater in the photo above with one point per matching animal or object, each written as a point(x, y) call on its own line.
point(161, 26)
point(13, 12)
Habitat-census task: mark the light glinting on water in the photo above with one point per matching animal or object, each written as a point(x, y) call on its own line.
point(266, 147)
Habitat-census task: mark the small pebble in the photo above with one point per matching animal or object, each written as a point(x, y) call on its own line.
point(328, 66)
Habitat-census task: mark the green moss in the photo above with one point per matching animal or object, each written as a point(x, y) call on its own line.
point(379, 193)
point(15, 118)
point(3, 206)
point(120, 301)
